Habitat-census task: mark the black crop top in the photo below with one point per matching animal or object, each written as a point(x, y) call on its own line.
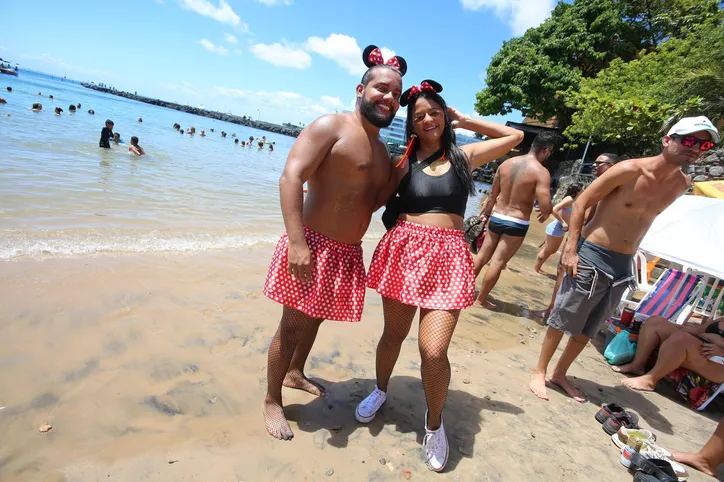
point(422, 193)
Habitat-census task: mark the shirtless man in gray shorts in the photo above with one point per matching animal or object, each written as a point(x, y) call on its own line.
point(597, 259)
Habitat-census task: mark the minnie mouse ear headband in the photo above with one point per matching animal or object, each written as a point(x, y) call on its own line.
point(428, 85)
point(372, 56)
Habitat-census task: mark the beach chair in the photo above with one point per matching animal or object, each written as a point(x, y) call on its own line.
point(639, 265)
point(710, 300)
point(669, 296)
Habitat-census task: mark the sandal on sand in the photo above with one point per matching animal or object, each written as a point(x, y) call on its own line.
point(618, 420)
point(660, 470)
point(607, 410)
point(624, 434)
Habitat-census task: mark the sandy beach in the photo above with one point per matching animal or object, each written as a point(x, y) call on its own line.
point(152, 367)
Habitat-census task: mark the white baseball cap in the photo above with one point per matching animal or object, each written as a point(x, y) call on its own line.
point(689, 125)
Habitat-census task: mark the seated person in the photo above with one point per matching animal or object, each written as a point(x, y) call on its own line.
point(135, 147)
point(689, 347)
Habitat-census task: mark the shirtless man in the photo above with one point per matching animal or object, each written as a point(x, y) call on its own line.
point(317, 272)
point(518, 183)
point(597, 258)
point(602, 163)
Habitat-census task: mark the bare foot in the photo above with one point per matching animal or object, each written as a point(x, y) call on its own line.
point(296, 379)
point(485, 304)
point(628, 368)
point(275, 421)
point(537, 269)
point(572, 391)
point(643, 383)
point(538, 386)
point(694, 460)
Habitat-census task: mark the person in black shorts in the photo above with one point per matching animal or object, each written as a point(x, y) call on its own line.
point(106, 135)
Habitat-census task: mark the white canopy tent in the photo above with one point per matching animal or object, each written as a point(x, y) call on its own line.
point(690, 232)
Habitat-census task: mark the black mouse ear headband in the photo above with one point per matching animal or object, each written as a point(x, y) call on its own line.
point(409, 94)
point(372, 56)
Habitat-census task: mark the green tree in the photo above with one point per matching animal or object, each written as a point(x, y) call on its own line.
point(626, 104)
point(578, 41)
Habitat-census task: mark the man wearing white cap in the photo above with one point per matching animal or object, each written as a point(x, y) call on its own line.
point(597, 258)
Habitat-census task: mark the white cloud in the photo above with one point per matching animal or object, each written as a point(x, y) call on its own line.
point(281, 55)
point(211, 47)
point(271, 3)
point(520, 15)
point(279, 106)
point(158, 1)
point(237, 52)
point(231, 39)
point(223, 13)
point(344, 50)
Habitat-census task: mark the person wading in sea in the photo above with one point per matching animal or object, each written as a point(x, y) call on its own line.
point(317, 271)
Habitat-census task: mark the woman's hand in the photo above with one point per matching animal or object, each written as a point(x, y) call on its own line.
point(709, 350)
point(456, 118)
point(564, 227)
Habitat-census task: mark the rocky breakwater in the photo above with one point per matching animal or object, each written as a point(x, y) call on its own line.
point(287, 130)
point(708, 168)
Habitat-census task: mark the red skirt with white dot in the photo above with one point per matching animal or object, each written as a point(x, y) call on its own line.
point(337, 291)
point(424, 266)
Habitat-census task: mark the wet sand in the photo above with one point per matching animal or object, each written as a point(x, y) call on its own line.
point(153, 368)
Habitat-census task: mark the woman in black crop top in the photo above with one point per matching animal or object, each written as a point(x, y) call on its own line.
point(423, 261)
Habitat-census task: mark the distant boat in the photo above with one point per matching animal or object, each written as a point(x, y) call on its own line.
point(8, 69)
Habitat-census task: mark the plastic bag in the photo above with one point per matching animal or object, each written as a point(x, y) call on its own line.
point(620, 350)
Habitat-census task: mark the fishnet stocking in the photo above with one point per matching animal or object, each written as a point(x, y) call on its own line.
point(293, 327)
point(436, 330)
point(295, 377)
point(398, 318)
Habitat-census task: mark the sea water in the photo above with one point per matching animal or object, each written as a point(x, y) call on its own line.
point(61, 195)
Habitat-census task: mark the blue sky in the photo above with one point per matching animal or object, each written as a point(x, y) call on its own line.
point(283, 60)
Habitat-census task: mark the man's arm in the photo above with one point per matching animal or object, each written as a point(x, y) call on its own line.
point(616, 176)
point(543, 195)
point(489, 203)
point(305, 157)
point(501, 140)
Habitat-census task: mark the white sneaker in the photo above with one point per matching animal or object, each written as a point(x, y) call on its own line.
point(436, 447)
point(367, 409)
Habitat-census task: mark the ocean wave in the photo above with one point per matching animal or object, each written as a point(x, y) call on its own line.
point(17, 244)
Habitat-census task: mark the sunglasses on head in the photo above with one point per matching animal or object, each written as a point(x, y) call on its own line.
point(691, 141)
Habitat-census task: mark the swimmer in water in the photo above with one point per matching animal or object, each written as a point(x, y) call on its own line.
point(51, 97)
point(91, 111)
point(181, 131)
point(261, 145)
point(3, 101)
point(37, 107)
point(9, 89)
point(223, 134)
point(117, 138)
point(71, 109)
point(78, 105)
point(140, 120)
point(236, 141)
point(58, 111)
point(271, 147)
point(106, 135)
point(203, 134)
point(136, 148)
point(243, 143)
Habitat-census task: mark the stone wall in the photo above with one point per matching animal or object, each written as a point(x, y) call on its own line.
point(708, 168)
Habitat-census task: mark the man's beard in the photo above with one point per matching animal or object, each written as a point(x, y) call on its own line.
point(377, 119)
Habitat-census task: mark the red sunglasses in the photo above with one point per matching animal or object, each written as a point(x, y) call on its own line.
point(691, 141)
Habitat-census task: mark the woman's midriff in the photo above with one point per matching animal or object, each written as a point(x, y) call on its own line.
point(439, 220)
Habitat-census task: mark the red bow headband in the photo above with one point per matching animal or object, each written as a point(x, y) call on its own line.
point(425, 85)
point(373, 56)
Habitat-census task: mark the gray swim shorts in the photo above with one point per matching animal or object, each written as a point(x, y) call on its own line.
point(589, 299)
